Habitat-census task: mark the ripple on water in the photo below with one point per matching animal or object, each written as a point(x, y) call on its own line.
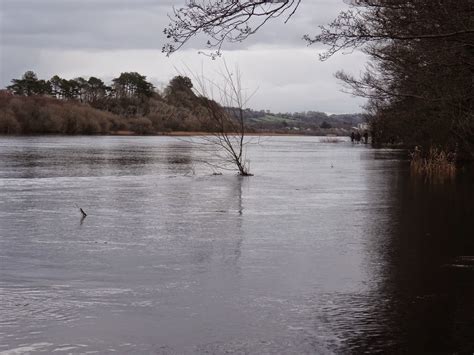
point(36, 304)
point(27, 349)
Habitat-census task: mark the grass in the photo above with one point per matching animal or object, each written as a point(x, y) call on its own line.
point(331, 140)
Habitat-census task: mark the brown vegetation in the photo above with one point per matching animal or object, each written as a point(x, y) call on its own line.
point(27, 112)
point(435, 164)
point(37, 114)
point(80, 106)
point(331, 140)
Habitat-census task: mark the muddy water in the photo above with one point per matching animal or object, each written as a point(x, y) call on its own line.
point(329, 248)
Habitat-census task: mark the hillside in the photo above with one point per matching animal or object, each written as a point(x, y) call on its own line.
point(303, 122)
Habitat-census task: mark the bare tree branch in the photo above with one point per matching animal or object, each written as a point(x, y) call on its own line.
point(222, 20)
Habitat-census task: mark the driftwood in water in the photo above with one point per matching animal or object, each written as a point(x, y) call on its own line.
point(83, 213)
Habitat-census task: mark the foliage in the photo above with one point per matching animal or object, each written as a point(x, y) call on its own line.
point(131, 85)
point(29, 85)
point(325, 125)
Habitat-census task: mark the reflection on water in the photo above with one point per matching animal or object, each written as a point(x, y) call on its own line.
point(432, 228)
point(329, 248)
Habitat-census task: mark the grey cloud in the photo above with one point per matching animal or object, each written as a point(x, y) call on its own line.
point(131, 24)
point(84, 24)
point(310, 15)
point(105, 37)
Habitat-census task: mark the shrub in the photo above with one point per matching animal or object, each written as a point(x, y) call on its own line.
point(141, 125)
point(45, 115)
point(8, 123)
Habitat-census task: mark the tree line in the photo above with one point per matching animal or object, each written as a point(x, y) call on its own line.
point(419, 83)
point(89, 106)
point(129, 88)
point(127, 85)
point(131, 103)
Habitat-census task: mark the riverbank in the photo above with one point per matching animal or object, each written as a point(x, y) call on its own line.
point(24, 115)
point(178, 134)
point(202, 133)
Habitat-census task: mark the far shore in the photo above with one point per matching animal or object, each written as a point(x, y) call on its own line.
point(178, 134)
point(198, 133)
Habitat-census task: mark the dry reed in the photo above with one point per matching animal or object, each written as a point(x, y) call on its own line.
point(435, 165)
point(331, 140)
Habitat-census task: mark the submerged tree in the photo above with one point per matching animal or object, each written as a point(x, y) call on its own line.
point(223, 112)
point(419, 80)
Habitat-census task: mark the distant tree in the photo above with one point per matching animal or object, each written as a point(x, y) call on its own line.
point(71, 89)
point(180, 83)
point(82, 86)
point(325, 125)
point(96, 89)
point(132, 85)
point(79, 88)
point(179, 92)
point(56, 87)
point(29, 85)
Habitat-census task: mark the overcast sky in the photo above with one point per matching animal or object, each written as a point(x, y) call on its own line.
point(106, 37)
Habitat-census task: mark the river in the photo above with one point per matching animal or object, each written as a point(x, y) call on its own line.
point(328, 248)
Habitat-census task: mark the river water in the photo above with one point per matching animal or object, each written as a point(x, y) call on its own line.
point(329, 248)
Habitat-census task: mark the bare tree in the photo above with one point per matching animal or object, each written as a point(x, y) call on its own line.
point(224, 104)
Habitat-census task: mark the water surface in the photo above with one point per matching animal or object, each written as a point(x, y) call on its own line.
point(329, 248)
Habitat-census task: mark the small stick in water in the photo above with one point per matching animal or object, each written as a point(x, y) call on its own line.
point(84, 215)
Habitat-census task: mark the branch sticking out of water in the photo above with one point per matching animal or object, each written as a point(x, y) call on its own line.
point(84, 215)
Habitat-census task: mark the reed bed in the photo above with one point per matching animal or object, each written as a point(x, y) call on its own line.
point(435, 165)
point(331, 140)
